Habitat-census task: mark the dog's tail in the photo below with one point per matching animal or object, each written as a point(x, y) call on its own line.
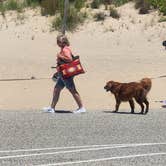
point(146, 83)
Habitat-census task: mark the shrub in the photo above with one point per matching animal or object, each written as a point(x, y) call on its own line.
point(163, 9)
point(96, 3)
point(79, 4)
point(119, 2)
point(107, 2)
point(159, 4)
point(74, 18)
point(2, 9)
point(56, 23)
point(143, 6)
point(100, 16)
point(13, 5)
point(162, 19)
point(115, 2)
point(17, 5)
point(114, 13)
point(32, 3)
point(50, 7)
point(144, 10)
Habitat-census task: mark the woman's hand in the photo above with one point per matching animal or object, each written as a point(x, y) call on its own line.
point(58, 55)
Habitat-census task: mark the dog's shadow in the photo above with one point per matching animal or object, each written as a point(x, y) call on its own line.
point(125, 113)
point(63, 112)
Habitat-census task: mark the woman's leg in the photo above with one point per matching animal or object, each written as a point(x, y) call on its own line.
point(70, 85)
point(56, 95)
point(76, 96)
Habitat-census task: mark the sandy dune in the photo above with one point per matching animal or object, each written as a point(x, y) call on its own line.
point(125, 50)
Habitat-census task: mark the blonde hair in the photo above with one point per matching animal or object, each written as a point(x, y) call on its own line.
point(63, 39)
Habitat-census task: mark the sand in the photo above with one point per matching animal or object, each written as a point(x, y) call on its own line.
point(122, 50)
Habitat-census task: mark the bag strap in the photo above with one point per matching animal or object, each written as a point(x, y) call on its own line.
point(75, 57)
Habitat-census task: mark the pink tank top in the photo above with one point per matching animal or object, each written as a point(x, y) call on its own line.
point(66, 51)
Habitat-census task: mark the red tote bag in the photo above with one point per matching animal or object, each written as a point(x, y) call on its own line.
point(71, 69)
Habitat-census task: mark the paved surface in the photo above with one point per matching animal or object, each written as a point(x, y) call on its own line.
point(96, 138)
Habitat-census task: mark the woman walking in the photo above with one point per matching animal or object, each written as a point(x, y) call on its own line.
point(65, 55)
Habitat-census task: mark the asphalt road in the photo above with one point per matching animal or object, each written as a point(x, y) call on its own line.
point(96, 138)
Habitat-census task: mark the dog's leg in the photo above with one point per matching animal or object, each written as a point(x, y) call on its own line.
point(147, 105)
point(131, 102)
point(141, 104)
point(117, 105)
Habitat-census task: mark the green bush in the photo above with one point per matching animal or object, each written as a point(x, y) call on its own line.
point(13, 5)
point(17, 5)
point(143, 6)
point(74, 18)
point(162, 19)
point(50, 7)
point(114, 13)
point(96, 4)
point(108, 2)
point(159, 4)
point(114, 2)
point(2, 9)
point(79, 4)
point(163, 9)
point(32, 3)
point(100, 16)
point(119, 2)
point(57, 23)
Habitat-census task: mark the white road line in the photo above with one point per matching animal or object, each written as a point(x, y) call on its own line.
point(104, 159)
point(78, 150)
point(76, 147)
point(58, 148)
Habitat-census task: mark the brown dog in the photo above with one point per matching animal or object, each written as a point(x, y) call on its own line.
point(127, 91)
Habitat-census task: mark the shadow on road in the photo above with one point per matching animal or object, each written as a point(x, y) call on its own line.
point(63, 111)
point(113, 112)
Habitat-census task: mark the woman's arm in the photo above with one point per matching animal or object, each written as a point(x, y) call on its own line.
point(64, 57)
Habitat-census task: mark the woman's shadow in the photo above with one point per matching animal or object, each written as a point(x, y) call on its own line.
point(63, 111)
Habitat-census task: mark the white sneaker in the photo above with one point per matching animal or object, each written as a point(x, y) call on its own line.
point(164, 104)
point(48, 110)
point(81, 110)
